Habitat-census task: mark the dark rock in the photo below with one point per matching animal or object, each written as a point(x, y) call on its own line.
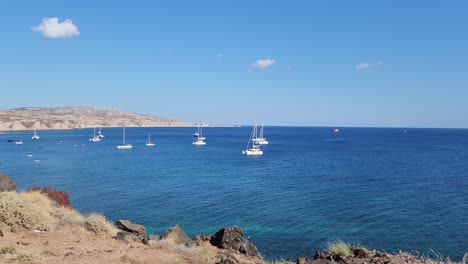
point(126, 236)
point(13, 230)
point(1, 233)
point(137, 230)
point(233, 238)
point(361, 252)
point(177, 235)
point(7, 184)
point(225, 258)
point(200, 239)
point(320, 255)
point(60, 197)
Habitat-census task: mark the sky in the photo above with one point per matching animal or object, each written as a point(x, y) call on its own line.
point(394, 63)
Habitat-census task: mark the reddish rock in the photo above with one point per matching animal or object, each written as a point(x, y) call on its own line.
point(177, 235)
point(320, 255)
point(137, 230)
point(232, 238)
point(60, 197)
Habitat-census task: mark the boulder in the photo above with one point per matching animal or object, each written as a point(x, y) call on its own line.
point(200, 239)
point(126, 236)
point(60, 197)
point(232, 238)
point(137, 230)
point(7, 184)
point(361, 252)
point(225, 258)
point(1, 233)
point(177, 235)
point(320, 255)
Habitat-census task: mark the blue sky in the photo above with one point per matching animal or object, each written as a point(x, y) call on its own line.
point(325, 63)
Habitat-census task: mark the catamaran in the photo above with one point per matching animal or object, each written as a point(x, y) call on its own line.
point(124, 145)
point(94, 138)
point(255, 150)
point(100, 135)
point(200, 139)
point(35, 137)
point(260, 140)
point(148, 141)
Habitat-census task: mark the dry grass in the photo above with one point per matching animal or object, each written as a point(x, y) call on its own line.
point(7, 249)
point(25, 257)
point(98, 224)
point(341, 248)
point(279, 261)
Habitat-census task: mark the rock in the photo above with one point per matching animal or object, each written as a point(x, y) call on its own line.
point(320, 255)
point(225, 258)
point(7, 184)
point(126, 236)
point(361, 252)
point(177, 235)
point(1, 233)
point(138, 230)
point(200, 239)
point(233, 238)
point(13, 230)
point(60, 197)
point(153, 237)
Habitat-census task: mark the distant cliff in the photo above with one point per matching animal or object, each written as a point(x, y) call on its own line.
point(78, 117)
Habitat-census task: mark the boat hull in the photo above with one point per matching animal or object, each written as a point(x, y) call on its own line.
point(125, 147)
point(252, 152)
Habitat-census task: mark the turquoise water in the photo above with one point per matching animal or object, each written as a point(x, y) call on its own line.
point(379, 187)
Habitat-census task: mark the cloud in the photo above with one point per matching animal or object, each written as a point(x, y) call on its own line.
point(263, 64)
point(367, 65)
point(52, 28)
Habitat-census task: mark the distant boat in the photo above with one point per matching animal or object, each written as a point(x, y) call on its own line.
point(19, 142)
point(335, 130)
point(148, 141)
point(260, 140)
point(35, 137)
point(255, 150)
point(124, 145)
point(200, 139)
point(94, 138)
point(100, 135)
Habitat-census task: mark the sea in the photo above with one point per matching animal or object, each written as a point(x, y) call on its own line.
point(382, 188)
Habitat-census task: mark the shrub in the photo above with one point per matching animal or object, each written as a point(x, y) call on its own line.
point(7, 249)
point(341, 248)
point(98, 224)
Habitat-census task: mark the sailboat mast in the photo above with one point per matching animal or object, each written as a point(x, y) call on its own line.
point(123, 136)
point(261, 132)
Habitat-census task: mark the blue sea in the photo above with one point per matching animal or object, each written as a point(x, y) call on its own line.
point(378, 187)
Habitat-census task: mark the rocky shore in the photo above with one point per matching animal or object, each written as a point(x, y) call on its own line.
point(40, 226)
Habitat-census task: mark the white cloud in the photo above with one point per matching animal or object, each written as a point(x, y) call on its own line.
point(367, 65)
point(52, 28)
point(263, 64)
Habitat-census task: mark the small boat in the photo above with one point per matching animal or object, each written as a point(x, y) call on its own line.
point(35, 136)
point(260, 140)
point(335, 130)
point(255, 150)
point(124, 145)
point(200, 139)
point(20, 142)
point(148, 141)
point(100, 135)
point(94, 138)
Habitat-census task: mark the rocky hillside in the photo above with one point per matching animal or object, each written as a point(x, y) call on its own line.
point(77, 117)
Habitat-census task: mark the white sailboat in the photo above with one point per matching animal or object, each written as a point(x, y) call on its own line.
point(124, 145)
point(148, 141)
point(255, 150)
point(100, 135)
point(94, 138)
point(260, 140)
point(200, 139)
point(20, 142)
point(35, 137)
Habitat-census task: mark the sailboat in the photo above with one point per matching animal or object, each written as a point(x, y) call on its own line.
point(260, 140)
point(255, 150)
point(100, 135)
point(148, 141)
point(124, 145)
point(35, 137)
point(200, 139)
point(94, 138)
